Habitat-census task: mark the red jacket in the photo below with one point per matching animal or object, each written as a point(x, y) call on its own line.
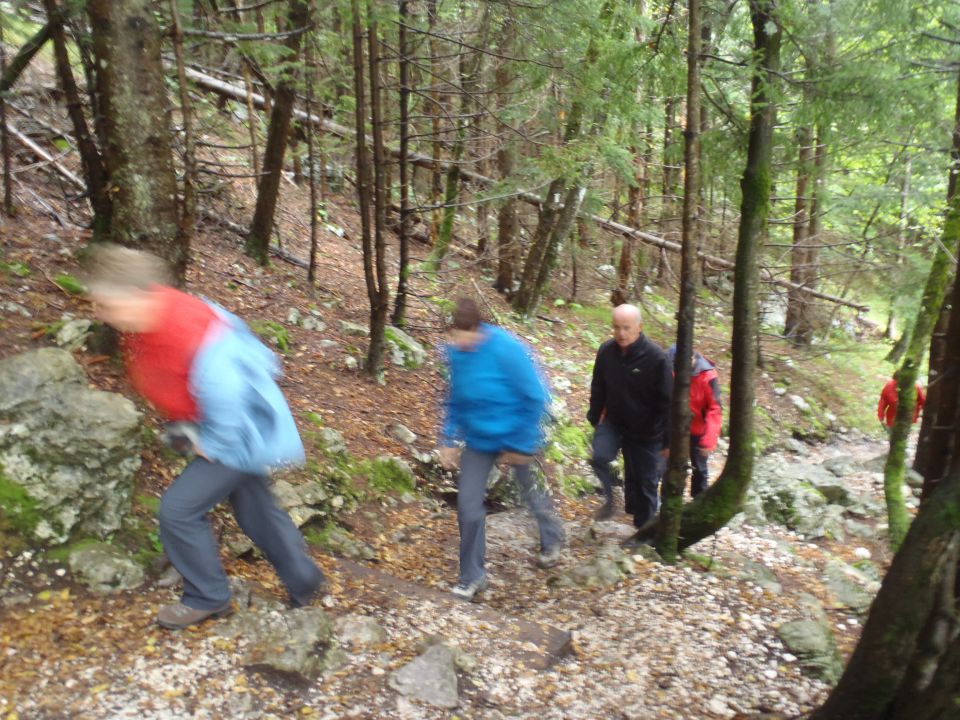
point(887, 409)
point(159, 362)
point(705, 403)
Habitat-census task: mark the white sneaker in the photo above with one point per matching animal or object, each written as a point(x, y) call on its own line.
point(466, 591)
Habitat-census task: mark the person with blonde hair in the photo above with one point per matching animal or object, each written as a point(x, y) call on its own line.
point(203, 369)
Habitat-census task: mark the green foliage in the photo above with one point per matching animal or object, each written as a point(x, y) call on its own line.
point(568, 442)
point(575, 486)
point(19, 511)
point(272, 332)
point(16, 267)
point(70, 284)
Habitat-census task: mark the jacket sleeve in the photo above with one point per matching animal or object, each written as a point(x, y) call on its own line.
point(921, 401)
point(223, 428)
point(529, 386)
point(451, 431)
point(713, 416)
point(882, 406)
point(598, 391)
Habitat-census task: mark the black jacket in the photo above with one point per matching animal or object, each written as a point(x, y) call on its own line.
point(634, 386)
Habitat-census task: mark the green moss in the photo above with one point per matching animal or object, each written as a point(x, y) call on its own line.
point(568, 442)
point(61, 553)
point(386, 475)
point(575, 486)
point(70, 284)
point(19, 511)
point(273, 332)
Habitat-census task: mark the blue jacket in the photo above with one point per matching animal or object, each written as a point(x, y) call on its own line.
point(245, 422)
point(497, 398)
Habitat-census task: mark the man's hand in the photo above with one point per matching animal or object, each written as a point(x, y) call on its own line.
point(514, 458)
point(449, 457)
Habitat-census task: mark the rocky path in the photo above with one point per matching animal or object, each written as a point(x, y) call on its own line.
point(703, 639)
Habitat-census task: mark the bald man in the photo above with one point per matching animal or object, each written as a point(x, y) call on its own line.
point(629, 409)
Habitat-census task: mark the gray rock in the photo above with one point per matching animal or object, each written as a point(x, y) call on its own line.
point(402, 433)
point(608, 272)
point(12, 308)
point(800, 404)
point(351, 363)
point(67, 453)
point(293, 316)
point(850, 587)
point(340, 542)
point(353, 329)
point(598, 572)
point(914, 479)
point(841, 465)
point(73, 334)
point(761, 576)
point(332, 441)
point(359, 630)
point(105, 569)
point(813, 642)
point(430, 678)
point(328, 344)
point(296, 644)
point(404, 350)
point(314, 324)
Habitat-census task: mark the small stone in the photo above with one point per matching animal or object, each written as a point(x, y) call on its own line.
point(862, 553)
point(350, 362)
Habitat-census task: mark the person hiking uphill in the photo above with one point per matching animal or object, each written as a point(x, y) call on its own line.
point(706, 417)
point(197, 364)
point(495, 404)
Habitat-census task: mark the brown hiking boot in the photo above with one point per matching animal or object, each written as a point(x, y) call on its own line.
point(606, 511)
point(178, 616)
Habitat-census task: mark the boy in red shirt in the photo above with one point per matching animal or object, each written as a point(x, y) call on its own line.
point(889, 398)
point(201, 367)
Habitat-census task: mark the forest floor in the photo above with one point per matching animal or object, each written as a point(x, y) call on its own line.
point(664, 642)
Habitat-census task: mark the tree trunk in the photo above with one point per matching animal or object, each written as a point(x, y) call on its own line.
point(400, 303)
point(8, 208)
point(379, 292)
point(310, 74)
point(188, 210)
point(137, 154)
point(94, 173)
point(434, 106)
point(796, 318)
point(671, 511)
point(508, 244)
point(268, 189)
point(712, 509)
point(12, 72)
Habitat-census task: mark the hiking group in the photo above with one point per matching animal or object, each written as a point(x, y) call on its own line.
point(215, 382)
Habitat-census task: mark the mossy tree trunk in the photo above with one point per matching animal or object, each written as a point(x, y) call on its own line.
point(671, 512)
point(268, 189)
point(137, 152)
point(907, 663)
point(712, 509)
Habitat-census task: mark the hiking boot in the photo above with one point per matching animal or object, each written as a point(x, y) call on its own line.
point(636, 540)
point(467, 591)
point(549, 558)
point(321, 590)
point(178, 616)
point(606, 511)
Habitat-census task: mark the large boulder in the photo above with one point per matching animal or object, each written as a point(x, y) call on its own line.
point(68, 454)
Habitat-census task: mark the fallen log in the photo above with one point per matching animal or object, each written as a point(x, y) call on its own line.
point(46, 157)
point(237, 92)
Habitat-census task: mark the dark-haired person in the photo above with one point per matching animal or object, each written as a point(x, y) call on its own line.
point(630, 411)
point(198, 364)
point(495, 404)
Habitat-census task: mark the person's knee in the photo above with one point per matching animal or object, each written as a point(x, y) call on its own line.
point(173, 512)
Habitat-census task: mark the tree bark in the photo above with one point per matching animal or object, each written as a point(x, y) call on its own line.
point(94, 173)
point(379, 291)
point(261, 227)
point(712, 509)
point(508, 244)
point(188, 209)
point(8, 208)
point(671, 511)
point(796, 319)
point(137, 153)
point(400, 302)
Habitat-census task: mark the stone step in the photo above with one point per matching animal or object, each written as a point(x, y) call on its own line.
point(535, 645)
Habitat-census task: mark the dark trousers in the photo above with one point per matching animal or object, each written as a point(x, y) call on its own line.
point(701, 477)
point(642, 463)
point(188, 538)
